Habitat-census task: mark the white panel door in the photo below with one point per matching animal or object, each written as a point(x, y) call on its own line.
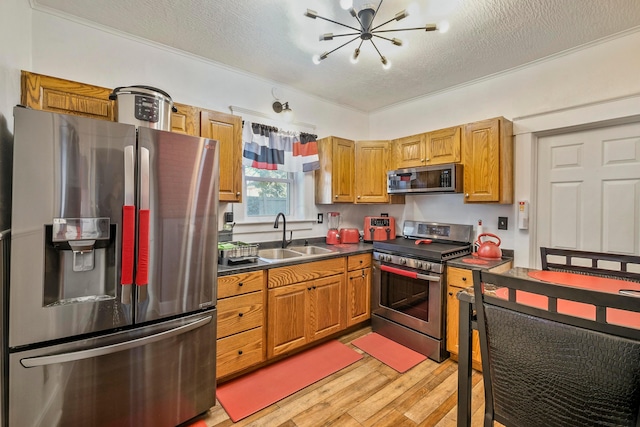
point(589, 190)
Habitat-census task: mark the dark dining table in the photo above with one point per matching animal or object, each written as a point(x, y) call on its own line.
point(467, 323)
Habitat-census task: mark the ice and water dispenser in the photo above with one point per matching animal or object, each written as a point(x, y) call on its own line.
point(80, 256)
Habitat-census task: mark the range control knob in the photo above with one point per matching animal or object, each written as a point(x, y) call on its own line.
point(427, 266)
point(403, 261)
point(419, 264)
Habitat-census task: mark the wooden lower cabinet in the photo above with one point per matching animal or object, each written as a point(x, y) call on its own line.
point(457, 280)
point(358, 306)
point(239, 351)
point(305, 303)
point(304, 312)
point(240, 324)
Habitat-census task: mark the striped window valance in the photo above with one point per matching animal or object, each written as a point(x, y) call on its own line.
point(267, 147)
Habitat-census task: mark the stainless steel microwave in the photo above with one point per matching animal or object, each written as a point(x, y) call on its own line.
point(445, 178)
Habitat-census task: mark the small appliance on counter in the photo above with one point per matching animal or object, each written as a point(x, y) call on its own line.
point(349, 235)
point(379, 228)
point(333, 221)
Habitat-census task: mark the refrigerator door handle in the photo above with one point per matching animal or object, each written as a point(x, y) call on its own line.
point(142, 270)
point(32, 362)
point(128, 223)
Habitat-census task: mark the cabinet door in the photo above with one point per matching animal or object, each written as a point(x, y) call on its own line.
point(227, 129)
point(186, 120)
point(287, 318)
point(372, 164)
point(358, 296)
point(334, 180)
point(343, 170)
point(326, 306)
point(62, 96)
point(443, 146)
point(488, 161)
point(409, 151)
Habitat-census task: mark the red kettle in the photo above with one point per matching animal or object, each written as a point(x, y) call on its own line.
point(488, 249)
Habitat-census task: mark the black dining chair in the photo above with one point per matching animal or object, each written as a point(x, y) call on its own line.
point(615, 266)
point(544, 368)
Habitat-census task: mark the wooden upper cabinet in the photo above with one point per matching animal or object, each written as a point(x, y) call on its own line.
point(488, 161)
point(409, 151)
point(186, 120)
point(227, 129)
point(426, 149)
point(334, 181)
point(372, 164)
point(62, 96)
point(443, 146)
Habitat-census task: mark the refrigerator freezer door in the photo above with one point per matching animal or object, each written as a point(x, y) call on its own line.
point(66, 226)
point(159, 375)
point(177, 224)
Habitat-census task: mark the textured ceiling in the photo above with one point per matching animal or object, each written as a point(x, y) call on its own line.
point(273, 39)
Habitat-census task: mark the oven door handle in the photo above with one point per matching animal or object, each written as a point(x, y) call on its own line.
point(411, 274)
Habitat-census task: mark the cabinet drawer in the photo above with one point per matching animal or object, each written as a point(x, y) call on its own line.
point(297, 273)
point(238, 284)
point(237, 314)
point(358, 261)
point(460, 277)
point(239, 351)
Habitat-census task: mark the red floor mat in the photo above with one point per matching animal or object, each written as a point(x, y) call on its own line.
point(257, 390)
point(389, 352)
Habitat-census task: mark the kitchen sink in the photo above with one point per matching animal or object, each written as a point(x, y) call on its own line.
point(310, 250)
point(271, 255)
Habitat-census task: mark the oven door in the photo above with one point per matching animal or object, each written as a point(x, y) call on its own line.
point(409, 297)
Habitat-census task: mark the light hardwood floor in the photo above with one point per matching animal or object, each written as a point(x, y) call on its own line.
point(369, 393)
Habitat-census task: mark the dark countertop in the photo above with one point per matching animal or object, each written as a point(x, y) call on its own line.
point(340, 250)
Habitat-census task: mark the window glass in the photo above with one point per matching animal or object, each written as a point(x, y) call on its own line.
point(267, 192)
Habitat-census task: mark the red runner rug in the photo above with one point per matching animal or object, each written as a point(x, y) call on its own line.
point(389, 352)
point(257, 390)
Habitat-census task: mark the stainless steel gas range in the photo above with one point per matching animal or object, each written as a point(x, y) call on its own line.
point(408, 297)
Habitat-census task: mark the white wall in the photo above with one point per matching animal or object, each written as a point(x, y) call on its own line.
point(588, 76)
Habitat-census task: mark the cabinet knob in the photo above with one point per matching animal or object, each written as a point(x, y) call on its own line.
point(422, 160)
point(358, 197)
point(240, 314)
point(241, 284)
point(239, 352)
point(427, 159)
point(450, 294)
point(238, 194)
point(309, 288)
point(336, 196)
point(466, 195)
point(464, 279)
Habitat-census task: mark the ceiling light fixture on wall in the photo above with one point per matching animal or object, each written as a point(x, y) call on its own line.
point(283, 107)
point(367, 31)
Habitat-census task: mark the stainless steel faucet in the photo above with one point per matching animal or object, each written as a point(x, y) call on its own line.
point(284, 230)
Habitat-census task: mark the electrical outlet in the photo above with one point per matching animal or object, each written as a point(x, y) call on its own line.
point(320, 218)
point(228, 217)
point(503, 222)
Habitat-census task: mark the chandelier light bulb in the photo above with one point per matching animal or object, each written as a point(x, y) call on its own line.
point(346, 4)
point(316, 59)
point(354, 58)
point(386, 64)
point(443, 26)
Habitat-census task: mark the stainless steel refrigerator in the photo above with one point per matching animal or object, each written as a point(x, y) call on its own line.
point(113, 269)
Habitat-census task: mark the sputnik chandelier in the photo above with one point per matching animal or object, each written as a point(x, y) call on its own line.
point(367, 31)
